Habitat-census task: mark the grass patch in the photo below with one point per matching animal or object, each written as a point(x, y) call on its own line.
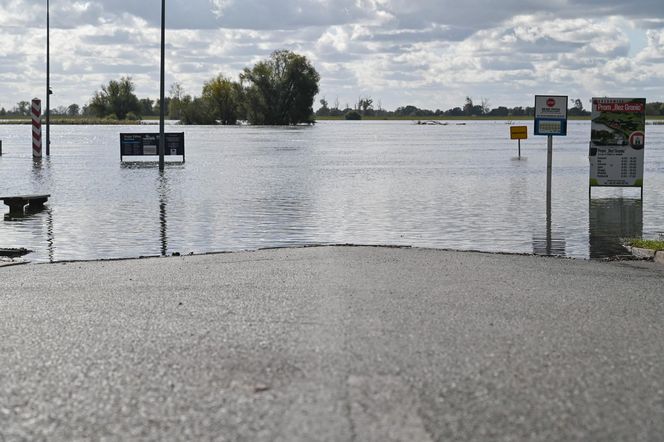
point(652, 244)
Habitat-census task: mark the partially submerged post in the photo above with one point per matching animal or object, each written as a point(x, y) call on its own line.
point(550, 120)
point(35, 111)
point(519, 133)
point(161, 88)
point(48, 79)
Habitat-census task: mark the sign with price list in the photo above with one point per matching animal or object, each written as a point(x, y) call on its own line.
point(617, 142)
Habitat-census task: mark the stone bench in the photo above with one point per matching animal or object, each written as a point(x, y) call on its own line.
point(17, 203)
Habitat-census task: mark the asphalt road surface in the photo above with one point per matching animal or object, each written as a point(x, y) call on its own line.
point(333, 344)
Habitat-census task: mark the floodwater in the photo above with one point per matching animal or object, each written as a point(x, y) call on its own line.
point(454, 186)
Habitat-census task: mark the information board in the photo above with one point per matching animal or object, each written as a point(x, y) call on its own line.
point(550, 115)
point(142, 144)
point(617, 141)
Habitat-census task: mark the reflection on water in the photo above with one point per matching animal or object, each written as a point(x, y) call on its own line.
point(50, 239)
point(551, 243)
point(611, 221)
point(397, 183)
point(163, 195)
point(38, 224)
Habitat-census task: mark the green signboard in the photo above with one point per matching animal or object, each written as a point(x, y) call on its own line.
point(617, 142)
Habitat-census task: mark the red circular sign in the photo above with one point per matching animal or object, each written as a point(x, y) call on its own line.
point(550, 102)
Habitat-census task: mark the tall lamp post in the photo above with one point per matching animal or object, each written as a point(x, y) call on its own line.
point(161, 88)
point(48, 77)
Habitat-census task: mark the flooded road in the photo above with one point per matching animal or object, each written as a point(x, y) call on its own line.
point(454, 186)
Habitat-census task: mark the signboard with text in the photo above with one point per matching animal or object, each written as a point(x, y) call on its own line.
point(550, 115)
point(617, 142)
point(518, 132)
point(142, 144)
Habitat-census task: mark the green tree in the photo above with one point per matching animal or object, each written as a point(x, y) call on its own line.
point(73, 110)
point(353, 115)
point(577, 109)
point(175, 102)
point(195, 111)
point(115, 99)
point(468, 106)
point(324, 110)
point(365, 105)
point(223, 97)
point(280, 90)
point(23, 108)
point(147, 106)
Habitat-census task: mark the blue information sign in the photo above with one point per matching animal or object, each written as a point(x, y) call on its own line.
point(550, 115)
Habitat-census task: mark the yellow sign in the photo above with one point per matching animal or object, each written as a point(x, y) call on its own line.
point(518, 132)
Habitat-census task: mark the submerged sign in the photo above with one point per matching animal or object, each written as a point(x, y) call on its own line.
point(518, 132)
point(617, 141)
point(550, 115)
point(141, 144)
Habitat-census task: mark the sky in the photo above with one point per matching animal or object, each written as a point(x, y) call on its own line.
point(426, 53)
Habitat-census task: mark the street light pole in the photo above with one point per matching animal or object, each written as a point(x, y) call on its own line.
point(48, 77)
point(161, 88)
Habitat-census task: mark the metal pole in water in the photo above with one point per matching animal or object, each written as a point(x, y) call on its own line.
point(48, 78)
point(549, 160)
point(161, 88)
point(519, 148)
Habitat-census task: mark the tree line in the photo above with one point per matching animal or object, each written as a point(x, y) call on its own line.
point(276, 91)
point(367, 107)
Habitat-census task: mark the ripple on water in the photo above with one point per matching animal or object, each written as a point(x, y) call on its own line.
point(455, 187)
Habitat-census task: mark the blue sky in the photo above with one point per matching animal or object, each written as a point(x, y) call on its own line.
point(428, 53)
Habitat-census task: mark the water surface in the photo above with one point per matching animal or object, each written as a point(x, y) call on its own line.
point(455, 186)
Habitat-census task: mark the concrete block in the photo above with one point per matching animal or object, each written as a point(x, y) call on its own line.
point(642, 253)
point(659, 257)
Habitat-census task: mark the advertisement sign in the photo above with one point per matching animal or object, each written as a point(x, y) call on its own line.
point(550, 115)
point(141, 144)
point(617, 142)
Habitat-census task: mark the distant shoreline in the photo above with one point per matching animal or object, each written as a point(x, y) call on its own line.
point(443, 118)
point(152, 120)
point(75, 121)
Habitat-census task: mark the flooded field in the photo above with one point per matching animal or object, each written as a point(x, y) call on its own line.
point(454, 186)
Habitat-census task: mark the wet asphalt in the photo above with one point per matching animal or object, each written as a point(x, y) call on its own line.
point(333, 344)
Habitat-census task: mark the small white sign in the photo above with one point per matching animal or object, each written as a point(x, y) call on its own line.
point(551, 107)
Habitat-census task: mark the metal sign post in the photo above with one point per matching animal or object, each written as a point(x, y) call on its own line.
point(550, 120)
point(48, 78)
point(519, 133)
point(162, 138)
point(549, 171)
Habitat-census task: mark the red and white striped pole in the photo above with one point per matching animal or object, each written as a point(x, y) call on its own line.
point(36, 128)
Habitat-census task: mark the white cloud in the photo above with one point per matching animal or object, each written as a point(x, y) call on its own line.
point(430, 53)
